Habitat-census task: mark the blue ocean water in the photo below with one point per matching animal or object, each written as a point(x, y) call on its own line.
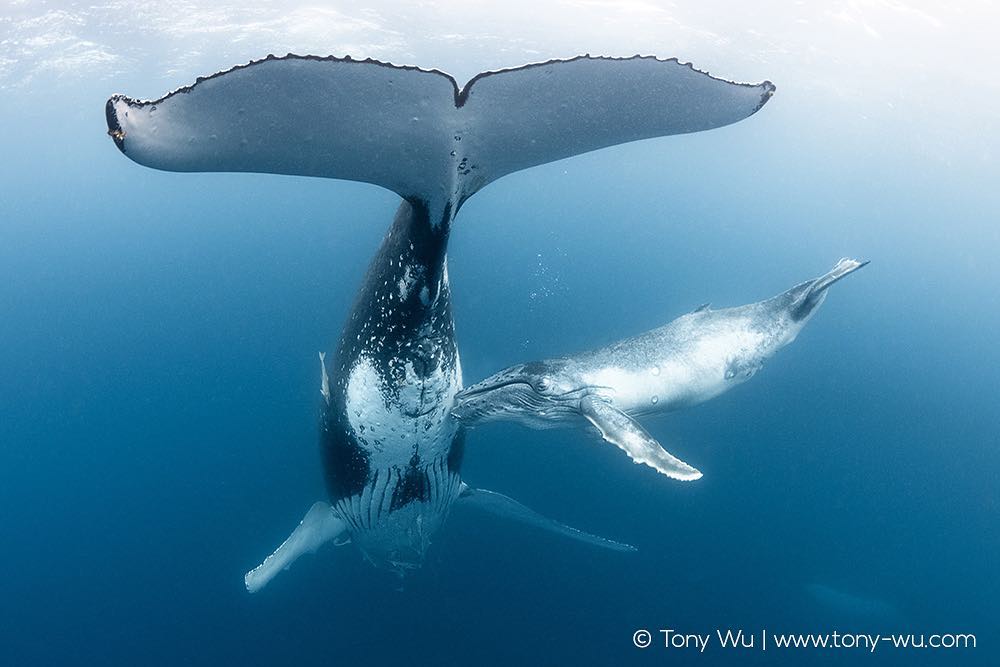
point(159, 392)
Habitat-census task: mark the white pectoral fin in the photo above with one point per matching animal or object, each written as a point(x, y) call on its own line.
point(503, 506)
point(324, 384)
point(320, 525)
point(624, 432)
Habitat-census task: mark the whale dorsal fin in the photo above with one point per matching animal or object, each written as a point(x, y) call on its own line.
point(415, 131)
point(702, 308)
point(503, 506)
point(624, 432)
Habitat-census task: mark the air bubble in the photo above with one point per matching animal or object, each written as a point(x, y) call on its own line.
point(654, 400)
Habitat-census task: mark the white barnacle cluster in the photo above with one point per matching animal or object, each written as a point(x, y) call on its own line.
point(413, 275)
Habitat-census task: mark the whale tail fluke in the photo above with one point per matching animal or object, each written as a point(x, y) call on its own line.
point(844, 267)
point(415, 131)
point(811, 294)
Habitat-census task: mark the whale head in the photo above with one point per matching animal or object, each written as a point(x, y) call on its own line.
point(539, 394)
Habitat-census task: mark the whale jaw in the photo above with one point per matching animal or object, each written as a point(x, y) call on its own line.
point(394, 519)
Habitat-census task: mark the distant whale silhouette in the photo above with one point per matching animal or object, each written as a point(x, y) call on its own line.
point(390, 447)
point(690, 360)
point(851, 606)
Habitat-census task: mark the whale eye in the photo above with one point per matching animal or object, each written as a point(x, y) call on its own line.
point(542, 385)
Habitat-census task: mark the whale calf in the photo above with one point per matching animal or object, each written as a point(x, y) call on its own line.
point(390, 447)
point(690, 360)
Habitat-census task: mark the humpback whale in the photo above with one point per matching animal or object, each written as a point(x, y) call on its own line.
point(690, 360)
point(390, 447)
point(851, 606)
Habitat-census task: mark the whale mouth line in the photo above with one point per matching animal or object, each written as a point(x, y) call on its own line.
point(480, 390)
point(475, 390)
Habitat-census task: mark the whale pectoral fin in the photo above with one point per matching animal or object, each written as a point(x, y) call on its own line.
point(624, 432)
point(503, 506)
point(324, 382)
point(320, 525)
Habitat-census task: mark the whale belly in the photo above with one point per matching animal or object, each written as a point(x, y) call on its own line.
point(682, 373)
point(413, 421)
point(654, 388)
point(718, 361)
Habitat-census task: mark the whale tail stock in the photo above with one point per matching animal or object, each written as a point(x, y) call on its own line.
point(812, 293)
point(415, 131)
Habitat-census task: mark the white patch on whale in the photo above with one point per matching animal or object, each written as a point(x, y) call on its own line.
point(390, 427)
point(412, 276)
point(718, 357)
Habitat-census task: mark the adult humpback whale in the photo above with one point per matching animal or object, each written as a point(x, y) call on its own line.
point(690, 360)
point(390, 448)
